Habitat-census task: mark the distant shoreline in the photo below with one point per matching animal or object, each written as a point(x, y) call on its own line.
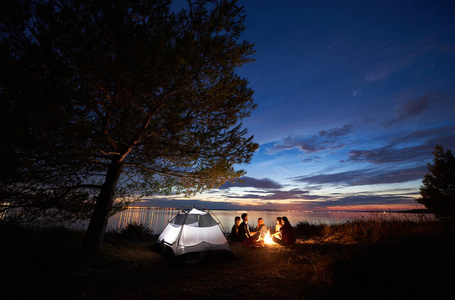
point(413, 211)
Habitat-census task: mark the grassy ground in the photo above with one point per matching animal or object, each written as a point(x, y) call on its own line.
point(359, 260)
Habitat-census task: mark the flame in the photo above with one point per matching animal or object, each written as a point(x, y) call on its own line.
point(268, 238)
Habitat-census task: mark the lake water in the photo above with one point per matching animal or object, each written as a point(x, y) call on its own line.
point(156, 218)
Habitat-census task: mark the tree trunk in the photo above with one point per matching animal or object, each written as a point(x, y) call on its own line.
point(98, 222)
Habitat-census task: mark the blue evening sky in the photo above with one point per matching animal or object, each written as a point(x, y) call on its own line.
point(352, 98)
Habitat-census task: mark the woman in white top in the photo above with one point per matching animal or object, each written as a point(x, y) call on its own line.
point(278, 224)
point(261, 228)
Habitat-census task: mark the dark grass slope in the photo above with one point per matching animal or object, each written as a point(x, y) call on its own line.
point(360, 260)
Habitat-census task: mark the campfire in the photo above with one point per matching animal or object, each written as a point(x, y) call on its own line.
point(268, 239)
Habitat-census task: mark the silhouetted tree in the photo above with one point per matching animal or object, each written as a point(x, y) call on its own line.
point(438, 185)
point(111, 99)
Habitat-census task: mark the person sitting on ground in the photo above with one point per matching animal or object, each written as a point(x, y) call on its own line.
point(261, 228)
point(278, 224)
point(287, 233)
point(235, 230)
point(244, 231)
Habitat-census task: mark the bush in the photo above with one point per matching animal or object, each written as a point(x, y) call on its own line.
point(135, 231)
point(305, 230)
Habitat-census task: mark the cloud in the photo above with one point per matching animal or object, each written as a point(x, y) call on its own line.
point(365, 177)
point(392, 153)
point(431, 134)
point(245, 181)
point(395, 58)
point(335, 178)
point(294, 194)
point(309, 145)
point(396, 176)
point(357, 93)
point(179, 203)
point(281, 171)
point(360, 200)
point(380, 73)
point(327, 139)
point(314, 159)
point(337, 132)
point(266, 189)
point(415, 107)
point(389, 154)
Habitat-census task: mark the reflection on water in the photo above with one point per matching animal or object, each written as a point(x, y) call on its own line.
point(154, 218)
point(157, 218)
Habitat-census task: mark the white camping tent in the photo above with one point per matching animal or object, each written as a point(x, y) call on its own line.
point(193, 230)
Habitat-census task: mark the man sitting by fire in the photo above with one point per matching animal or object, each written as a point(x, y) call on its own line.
point(286, 235)
point(245, 235)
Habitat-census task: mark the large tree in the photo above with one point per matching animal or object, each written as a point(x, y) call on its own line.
point(111, 99)
point(438, 185)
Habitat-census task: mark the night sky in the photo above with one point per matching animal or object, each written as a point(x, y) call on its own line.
point(352, 98)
